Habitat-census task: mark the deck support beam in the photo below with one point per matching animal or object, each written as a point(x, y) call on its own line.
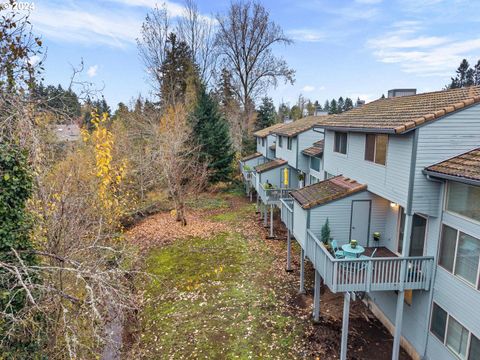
point(271, 221)
point(302, 272)
point(265, 215)
point(398, 326)
point(289, 252)
point(346, 314)
point(316, 297)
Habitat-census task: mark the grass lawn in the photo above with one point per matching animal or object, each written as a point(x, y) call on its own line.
point(214, 298)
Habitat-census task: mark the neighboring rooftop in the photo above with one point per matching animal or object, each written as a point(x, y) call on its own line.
point(251, 156)
point(463, 168)
point(267, 131)
point(325, 191)
point(402, 114)
point(300, 125)
point(269, 165)
point(67, 133)
point(315, 150)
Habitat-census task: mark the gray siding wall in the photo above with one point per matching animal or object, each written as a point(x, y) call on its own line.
point(273, 176)
point(262, 149)
point(440, 140)
point(255, 161)
point(289, 155)
point(306, 140)
point(389, 181)
point(339, 215)
point(299, 224)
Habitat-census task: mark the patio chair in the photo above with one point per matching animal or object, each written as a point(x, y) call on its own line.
point(364, 257)
point(339, 254)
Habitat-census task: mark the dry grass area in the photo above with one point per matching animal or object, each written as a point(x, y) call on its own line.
point(220, 291)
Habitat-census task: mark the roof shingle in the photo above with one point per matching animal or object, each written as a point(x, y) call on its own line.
point(464, 166)
point(325, 191)
point(402, 114)
point(269, 165)
point(315, 150)
point(267, 131)
point(251, 156)
point(299, 126)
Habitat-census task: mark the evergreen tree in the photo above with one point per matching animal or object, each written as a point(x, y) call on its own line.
point(310, 108)
point(348, 104)
point(340, 104)
point(266, 116)
point(225, 92)
point(465, 76)
point(212, 135)
point(326, 106)
point(295, 112)
point(477, 73)
point(283, 112)
point(179, 73)
point(333, 107)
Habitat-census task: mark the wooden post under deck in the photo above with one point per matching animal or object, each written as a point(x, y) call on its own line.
point(289, 251)
point(346, 314)
point(271, 221)
point(398, 326)
point(302, 272)
point(316, 298)
point(265, 216)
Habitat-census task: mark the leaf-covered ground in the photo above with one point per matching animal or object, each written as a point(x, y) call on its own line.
point(219, 291)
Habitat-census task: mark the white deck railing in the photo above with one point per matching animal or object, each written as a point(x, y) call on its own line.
point(372, 274)
point(287, 212)
point(272, 196)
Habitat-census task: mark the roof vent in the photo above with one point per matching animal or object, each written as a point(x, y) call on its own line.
point(359, 102)
point(401, 92)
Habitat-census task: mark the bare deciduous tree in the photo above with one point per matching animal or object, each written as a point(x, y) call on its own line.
point(178, 159)
point(246, 38)
point(198, 31)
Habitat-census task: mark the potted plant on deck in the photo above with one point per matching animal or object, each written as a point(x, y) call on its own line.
point(325, 235)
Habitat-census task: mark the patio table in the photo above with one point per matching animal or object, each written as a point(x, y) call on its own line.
point(359, 250)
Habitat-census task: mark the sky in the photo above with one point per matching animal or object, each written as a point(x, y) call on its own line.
point(354, 48)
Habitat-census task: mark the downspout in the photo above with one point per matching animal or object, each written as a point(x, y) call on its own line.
point(434, 272)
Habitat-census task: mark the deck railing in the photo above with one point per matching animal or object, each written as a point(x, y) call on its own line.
point(272, 196)
point(287, 212)
point(372, 274)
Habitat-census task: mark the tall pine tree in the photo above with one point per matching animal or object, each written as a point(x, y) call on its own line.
point(211, 133)
point(348, 104)
point(266, 115)
point(333, 107)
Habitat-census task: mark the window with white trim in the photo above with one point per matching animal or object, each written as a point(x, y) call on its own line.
point(289, 143)
point(315, 163)
point(340, 142)
point(460, 254)
point(464, 200)
point(280, 140)
point(376, 148)
point(263, 142)
point(453, 334)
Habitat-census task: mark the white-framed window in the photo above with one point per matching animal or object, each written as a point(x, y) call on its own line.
point(376, 148)
point(459, 254)
point(315, 163)
point(464, 200)
point(456, 337)
point(263, 142)
point(313, 180)
point(280, 140)
point(340, 142)
point(289, 143)
point(259, 141)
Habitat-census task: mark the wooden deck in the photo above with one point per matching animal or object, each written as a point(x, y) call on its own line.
point(381, 252)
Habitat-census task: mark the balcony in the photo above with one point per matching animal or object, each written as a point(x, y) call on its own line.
point(287, 212)
point(372, 274)
point(272, 196)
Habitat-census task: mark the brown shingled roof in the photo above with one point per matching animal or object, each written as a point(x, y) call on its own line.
point(465, 167)
point(267, 131)
point(269, 165)
point(401, 114)
point(251, 156)
point(325, 191)
point(315, 150)
point(300, 125)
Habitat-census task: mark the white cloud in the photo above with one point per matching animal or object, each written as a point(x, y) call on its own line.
point(34, 60)
point(308, 88)
point(421, 54)
point(92, 71)
point(307, 35)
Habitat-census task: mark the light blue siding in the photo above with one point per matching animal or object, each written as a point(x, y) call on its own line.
point(255, 161)
point(389, 181)
point(299, 223)
point(339, 216)
point(273, 176)
point(288, 155)
point(440, 140)
point(306, 140)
